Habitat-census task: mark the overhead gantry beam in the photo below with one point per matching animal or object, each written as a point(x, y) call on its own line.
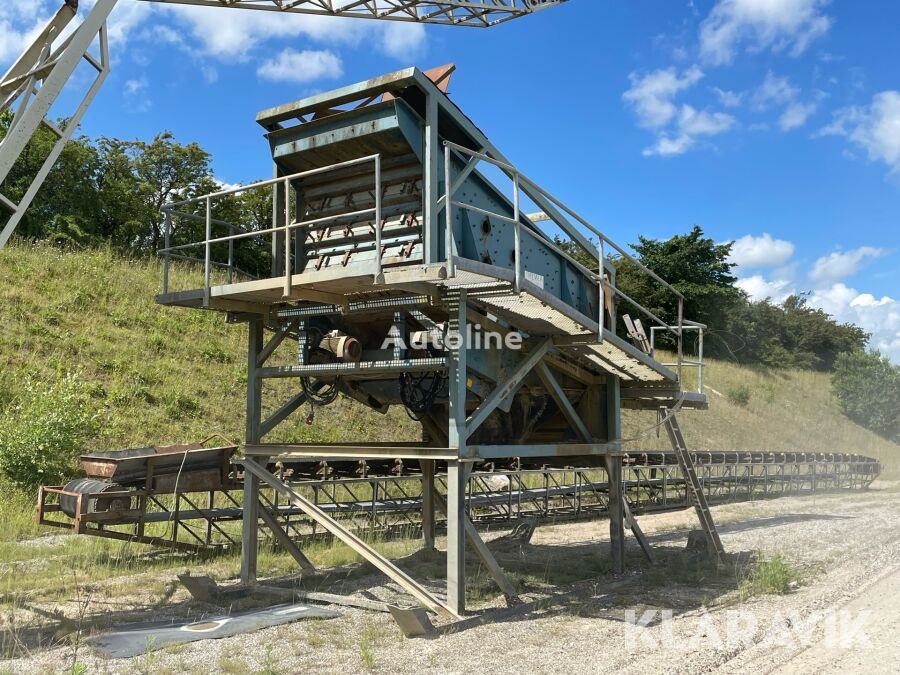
point(478, 13)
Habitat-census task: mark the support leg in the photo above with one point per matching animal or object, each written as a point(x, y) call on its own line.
point(428, 503)
point(616, 514)
point(457, 471)
point(250, 533)
point(250, 522)
point(457, 477)
point(614, 472)
point(486, 556)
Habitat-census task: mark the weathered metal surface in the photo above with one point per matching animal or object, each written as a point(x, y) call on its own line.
point(652, 481)
point(135, 466)
point(95, 502)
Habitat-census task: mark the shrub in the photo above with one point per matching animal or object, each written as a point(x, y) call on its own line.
point(772, 576)
point(867, 386)
point(43, 431)
point(739, 395)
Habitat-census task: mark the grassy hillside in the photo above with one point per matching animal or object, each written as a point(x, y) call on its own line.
point(157, 374)
point(786, 410)
point(163, 375)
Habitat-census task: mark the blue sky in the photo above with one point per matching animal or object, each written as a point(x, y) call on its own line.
point(775, 123)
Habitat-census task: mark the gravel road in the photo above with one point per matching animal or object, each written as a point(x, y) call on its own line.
point(842, 615)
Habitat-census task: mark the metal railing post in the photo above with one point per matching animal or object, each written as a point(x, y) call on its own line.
point(448, 215)
point(378, 223)
point(230, 254)
point(680, 336)
point(517, 247)
point(167, 237)
point(207, 253)
point(287, 238)
point(700, 360)
point(601, 287)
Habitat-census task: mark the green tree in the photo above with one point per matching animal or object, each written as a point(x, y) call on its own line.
point(139, 178)
point(44, 430)
point(691, 263)
point(867, 386)
point(790, 335)
point(66, 206)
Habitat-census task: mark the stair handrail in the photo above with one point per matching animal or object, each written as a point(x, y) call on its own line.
point(518, 181)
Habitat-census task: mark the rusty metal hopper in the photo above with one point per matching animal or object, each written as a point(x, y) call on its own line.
point(137, 466)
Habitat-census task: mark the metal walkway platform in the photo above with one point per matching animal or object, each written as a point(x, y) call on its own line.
point(406, 271)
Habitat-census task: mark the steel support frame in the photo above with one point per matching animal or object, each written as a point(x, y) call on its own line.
point(614, 472)
point(475, 13)
point(250, 523)
point(457, 470)
point(53, 69)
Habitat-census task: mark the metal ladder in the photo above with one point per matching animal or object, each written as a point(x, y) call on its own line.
point(692, 485)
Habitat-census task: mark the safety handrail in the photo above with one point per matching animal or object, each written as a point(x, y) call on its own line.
point(290, 223)
point(694, 363)
point(518, 180)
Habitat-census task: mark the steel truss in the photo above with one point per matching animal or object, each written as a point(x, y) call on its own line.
point(388, 505)
point(651, 483)
point(33, 84)
point(479, 13)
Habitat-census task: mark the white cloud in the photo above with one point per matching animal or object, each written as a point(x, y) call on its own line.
point(403, 41)
point(778, 92)
point(729, 99)
point(763, 251)
point(842, 264)
point(301, 67)
point(779, 25)
point(874, 128)
point(878, 316)
point(795, 115)
point(702, 123)
point(234, 35)
point(137, 99)
point(760, 288)
point(775, 90)
point(652, 94)
point(125, 18)
point(20, 22)
point(226, 35)
point(666, 146)
point(690, 124)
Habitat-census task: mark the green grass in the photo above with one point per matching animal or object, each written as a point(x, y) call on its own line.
point(792, 410)
point(163, 375)
point(160, 375)
point(768, 576)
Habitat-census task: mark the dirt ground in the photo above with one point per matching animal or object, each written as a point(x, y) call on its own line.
point(841, 615)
